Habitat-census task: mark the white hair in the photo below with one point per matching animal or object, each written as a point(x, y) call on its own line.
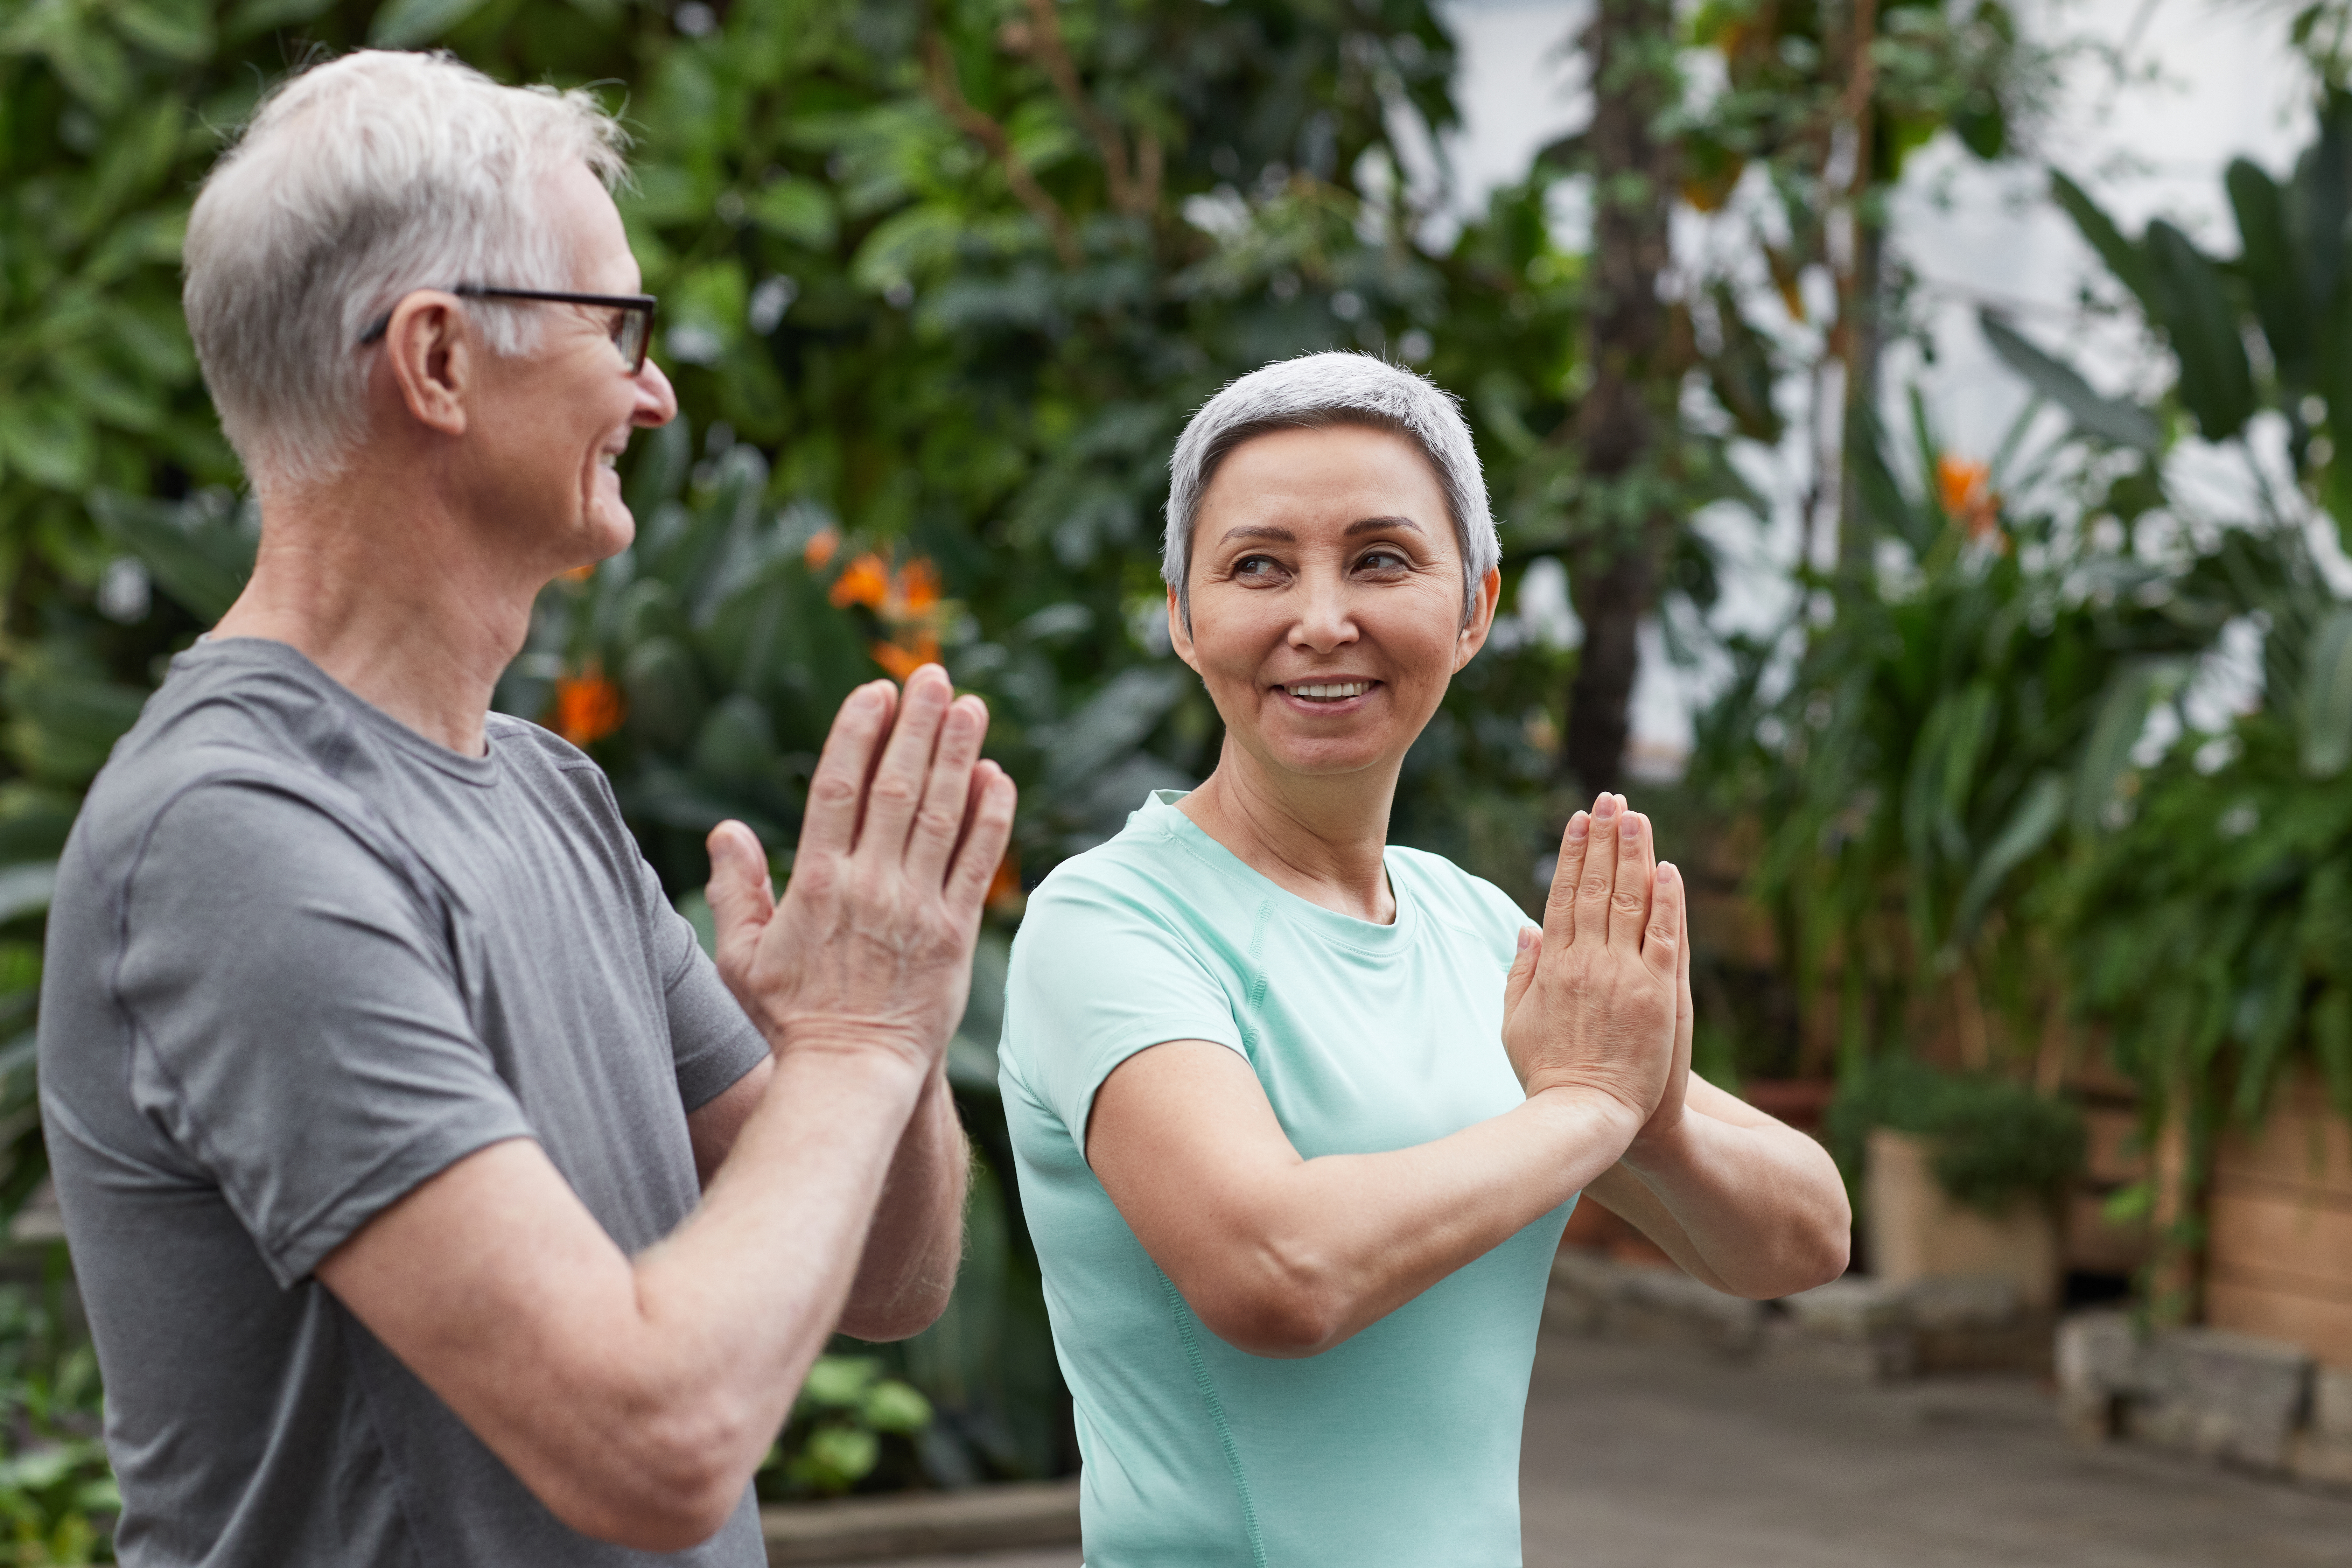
point(1311, 393)
point(358, 181)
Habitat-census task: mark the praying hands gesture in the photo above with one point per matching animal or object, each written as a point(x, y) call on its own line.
point(1599, 999)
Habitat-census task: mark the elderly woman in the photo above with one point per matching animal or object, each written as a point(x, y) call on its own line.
point(1299, 1115)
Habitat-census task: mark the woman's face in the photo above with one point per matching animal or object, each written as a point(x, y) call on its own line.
point(1327, 598)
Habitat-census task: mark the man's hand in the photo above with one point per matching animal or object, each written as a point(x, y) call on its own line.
point(1591, 1003)
point(873, 940)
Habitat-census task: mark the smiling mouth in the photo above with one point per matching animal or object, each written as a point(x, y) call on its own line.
point(1329, 691)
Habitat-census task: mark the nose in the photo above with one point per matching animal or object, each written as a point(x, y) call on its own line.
point(656, 399)
point(1324, 619)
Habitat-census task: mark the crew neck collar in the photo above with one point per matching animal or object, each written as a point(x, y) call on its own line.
point(268, 653)
point(1158, 813)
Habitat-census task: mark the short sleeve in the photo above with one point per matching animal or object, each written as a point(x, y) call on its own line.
point(713, 1040)
point(299, 1030)
point(1096, 977)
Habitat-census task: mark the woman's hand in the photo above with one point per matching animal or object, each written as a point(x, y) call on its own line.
point(1591, 1002)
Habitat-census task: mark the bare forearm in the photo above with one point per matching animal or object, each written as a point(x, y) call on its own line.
point(1755, 1211)
point(908, 1266)
point(1341, 1241)
point(741, 1299)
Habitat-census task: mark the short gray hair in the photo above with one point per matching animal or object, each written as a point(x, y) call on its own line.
point(357, 181)
point(1314, 392)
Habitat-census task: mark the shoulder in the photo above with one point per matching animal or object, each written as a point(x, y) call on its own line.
point(1146, 877)
point(1470, 905)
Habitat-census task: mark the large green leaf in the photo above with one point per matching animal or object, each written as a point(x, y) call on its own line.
point(2324, 719)
point(2126, 261)
point(2038, 814)
point(2274, 271)
point(2217, 383)
point(2111, 419)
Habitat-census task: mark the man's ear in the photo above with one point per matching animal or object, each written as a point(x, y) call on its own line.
point(430, 352)
point(1473, 632)
point(1180, 635)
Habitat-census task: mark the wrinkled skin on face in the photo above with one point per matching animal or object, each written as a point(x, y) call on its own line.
point(1326, 587)
point(545, 428)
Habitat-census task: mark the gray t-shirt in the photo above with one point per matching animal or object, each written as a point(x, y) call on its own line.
point(301, 959)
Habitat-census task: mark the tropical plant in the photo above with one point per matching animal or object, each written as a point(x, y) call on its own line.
point(1944, 728)
point(1994, 1142)
point(58, 1496)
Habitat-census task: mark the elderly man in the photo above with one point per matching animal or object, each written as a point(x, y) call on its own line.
point(433, 1199)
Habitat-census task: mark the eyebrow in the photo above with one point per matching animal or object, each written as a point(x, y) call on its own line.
point(1283, 535)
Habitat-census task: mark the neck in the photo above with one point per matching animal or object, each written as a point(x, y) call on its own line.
point(1321, 837)
point(393, 594)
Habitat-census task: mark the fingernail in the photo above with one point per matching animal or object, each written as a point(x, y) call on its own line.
point(1666, 872)
point(1526, 938)
point(1629, 826)
point(1606, 807)
point(1579, 827)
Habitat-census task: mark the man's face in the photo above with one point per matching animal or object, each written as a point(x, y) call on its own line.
point(546, 428)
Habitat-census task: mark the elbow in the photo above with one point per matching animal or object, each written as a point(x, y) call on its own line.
point(664, 1482)
point(1814, 1248)
point(1287, 1306)
point(901, 1318)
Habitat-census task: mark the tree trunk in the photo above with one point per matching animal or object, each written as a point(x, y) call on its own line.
point(1625, 425)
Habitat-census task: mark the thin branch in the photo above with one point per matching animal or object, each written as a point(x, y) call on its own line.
point(940, 75)
point(1046, 40)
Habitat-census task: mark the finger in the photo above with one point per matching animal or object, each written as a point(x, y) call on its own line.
point(1628, 906)
point(837, 789)
point(1600, 878)
point(1567, 873)
point(892, 799)
point(1523, 968)
point(1662, 940)
point(1685, 1013)
point(741, 897)
point(947, 795)
point(984, 844)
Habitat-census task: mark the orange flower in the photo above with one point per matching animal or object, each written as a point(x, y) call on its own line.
point(918, 587)
point(1006, 886)
point(818, 552)
point(587, 706)
point(864, 581)
point(902, 660)
point(1965, 489)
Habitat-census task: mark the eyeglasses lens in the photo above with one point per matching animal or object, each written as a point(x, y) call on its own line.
point(629, 337)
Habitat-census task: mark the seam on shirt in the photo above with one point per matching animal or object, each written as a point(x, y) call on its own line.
point(1257, 984)
point(1183, 1315)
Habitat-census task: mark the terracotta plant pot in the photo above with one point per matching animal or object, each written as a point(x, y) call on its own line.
point(1917, 1233)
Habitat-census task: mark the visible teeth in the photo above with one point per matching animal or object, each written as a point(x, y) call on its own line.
point(610, 459)
point(1333, 688)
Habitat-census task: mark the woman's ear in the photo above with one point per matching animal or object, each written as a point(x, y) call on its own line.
point(1180, 631)
point(1473, 635)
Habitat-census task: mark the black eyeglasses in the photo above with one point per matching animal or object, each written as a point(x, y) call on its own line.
point(632, 329)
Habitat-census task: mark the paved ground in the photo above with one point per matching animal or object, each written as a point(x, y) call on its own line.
point(1639, 1458)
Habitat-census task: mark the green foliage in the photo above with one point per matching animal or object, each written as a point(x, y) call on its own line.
point(1948, 724)
point(1995, 1143)
point(845, 1410)
point(56, 1495)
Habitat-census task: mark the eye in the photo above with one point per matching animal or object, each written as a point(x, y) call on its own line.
point(1383, 558)
point(1255, 566)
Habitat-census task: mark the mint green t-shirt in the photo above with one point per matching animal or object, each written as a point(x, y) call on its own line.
point(1399, 1446)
